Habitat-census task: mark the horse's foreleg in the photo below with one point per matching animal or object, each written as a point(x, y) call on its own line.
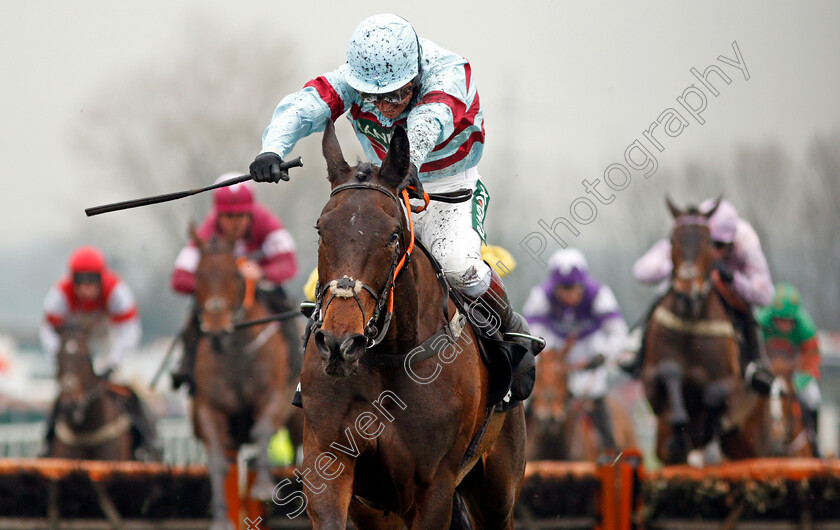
point(671, 375)
point(327, 477)
point(433, 504)
point(261, 433)
point(210, 425)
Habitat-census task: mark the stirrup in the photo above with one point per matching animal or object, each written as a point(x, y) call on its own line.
point(533, 338)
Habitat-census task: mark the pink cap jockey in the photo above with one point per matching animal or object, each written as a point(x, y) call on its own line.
point(265, 237)
point(751, 275)
point(238, 198)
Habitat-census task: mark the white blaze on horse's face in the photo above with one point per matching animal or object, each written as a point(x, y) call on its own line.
point(688, 271)
point(71, 347)
point(216, 315)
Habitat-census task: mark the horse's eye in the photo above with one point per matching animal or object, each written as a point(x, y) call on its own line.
point(394, 238)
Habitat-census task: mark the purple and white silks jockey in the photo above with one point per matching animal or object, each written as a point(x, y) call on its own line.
point(596, 322)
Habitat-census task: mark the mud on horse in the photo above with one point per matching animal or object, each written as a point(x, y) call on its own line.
point(691, 370)
point(387, 426)
point(243, 384)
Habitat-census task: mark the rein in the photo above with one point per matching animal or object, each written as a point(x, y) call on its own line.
point(347, 287)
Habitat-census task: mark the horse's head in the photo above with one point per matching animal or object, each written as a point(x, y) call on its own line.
point(77, 381)
point(362, 239)
point(219, 287)
point(692, 255)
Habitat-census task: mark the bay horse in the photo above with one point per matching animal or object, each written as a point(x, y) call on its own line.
point(387, 426)
point(90, 423)
point(243, 381)
point(785, 431)
point(691, 370)
point(559, 424)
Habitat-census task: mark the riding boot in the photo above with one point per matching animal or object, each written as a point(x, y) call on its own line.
point(148, 447)
point(637, 343)
point(601, 419)
point(183, 373)
point(496, 300)
point(756, 373)
point(49, 437)
point(811, 420)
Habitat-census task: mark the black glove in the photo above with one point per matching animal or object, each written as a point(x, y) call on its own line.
point(595, 362)
point(266, 168)
point(414, 181)
point(723, 270)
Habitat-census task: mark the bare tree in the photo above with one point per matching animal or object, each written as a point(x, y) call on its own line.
point(178, 123)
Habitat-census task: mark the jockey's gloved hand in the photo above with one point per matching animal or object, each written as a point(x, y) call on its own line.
point(266, 168)
point(595, 362)
point(412, 180)
point(723, 271)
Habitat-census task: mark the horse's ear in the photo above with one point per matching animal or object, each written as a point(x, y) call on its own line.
point(336, 165)
point(714, 207)
point(395, 166)
point(194, 235)
point(675, 212)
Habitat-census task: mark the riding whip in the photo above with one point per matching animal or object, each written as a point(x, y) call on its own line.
point(134, 203)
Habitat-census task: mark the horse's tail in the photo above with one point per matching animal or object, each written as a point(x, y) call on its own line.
point(460, 516)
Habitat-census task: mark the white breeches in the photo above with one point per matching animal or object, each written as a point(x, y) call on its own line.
point(447, 231)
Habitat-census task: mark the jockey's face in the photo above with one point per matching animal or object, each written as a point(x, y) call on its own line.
point(722, 250)
point(784, 325)
point(569, 295)
point(87, 289)
point(388, 106)
point(234, 225)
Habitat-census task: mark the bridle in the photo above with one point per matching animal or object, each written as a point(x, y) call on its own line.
point(244, 300)
point(78, 408)
point(688, 271)
point(347, 287)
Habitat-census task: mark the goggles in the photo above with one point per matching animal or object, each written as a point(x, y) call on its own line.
point(389, 97)
point(86, 277)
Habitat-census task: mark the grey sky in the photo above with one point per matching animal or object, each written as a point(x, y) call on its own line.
point(563, 84)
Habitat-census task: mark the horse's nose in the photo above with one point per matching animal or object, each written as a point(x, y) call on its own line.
point(349, 347)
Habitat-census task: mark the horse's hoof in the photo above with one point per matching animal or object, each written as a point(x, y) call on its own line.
point(221, 524)
point(262, 491)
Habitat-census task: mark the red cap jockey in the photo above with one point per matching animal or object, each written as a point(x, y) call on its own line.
point(91, 287)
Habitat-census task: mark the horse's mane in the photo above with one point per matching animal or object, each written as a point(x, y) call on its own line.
point(216, 245)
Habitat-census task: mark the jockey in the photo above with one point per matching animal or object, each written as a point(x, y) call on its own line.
point(259, 237)
point(92, 289)
point(394, 78)
point(579, 317)
point(741, 266)
point(789, 331)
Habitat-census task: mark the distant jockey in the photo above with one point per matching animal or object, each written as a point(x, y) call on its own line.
point(789, 331)
point(93, 290)
point(259, 236)
point(394, 78)
point(741, 265)
point(579, 316)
